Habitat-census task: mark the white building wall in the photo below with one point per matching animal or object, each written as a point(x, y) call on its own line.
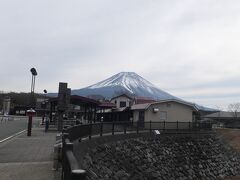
point(119, 99)
point(175, 112)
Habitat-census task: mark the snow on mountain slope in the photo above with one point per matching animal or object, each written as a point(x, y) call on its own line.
point(129, 80)
point(129, 83)
point(125, 82)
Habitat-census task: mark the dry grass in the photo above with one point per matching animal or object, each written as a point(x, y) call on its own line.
point(232, 136)
point(233, 178)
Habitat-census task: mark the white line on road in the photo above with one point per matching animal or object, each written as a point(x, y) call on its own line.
point(1, 141)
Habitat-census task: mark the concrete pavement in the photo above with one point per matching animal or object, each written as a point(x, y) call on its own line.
point(28, 158)
point(14, 125)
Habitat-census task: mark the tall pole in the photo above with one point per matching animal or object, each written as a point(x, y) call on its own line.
point(34, 74)
point(31, 112)
point(45, 105)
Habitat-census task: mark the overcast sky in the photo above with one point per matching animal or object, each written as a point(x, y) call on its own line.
point(188, 48)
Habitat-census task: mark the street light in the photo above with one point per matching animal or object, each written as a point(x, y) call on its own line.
point(45, 105)
point(34, 74)
point(31, 112)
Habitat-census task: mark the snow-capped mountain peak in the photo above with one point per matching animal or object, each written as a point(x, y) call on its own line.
point(127, 82)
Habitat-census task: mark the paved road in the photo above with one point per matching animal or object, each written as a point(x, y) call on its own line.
point(15, 125)
point(28, 158)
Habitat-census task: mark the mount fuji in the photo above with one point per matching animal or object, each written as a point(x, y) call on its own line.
point(125, 82)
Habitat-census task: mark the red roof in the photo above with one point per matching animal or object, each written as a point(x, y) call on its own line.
point(143, 100)
point(107, 105)
point(122, 95)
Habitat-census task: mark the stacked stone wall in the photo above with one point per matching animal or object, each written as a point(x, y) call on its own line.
point(167, 157)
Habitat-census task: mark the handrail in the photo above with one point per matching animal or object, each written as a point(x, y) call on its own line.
point(71, 170)
point(99, 128)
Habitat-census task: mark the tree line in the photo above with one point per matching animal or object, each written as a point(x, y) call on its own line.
point(18, 99)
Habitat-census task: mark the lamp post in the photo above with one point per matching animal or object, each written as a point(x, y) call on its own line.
point(45, 105)
point(31, 112)
point(34, 74)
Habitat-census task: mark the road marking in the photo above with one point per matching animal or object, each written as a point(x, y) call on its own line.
point(26, 163)
point(16, 134)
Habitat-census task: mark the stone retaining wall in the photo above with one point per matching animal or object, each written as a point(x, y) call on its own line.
point(168, 157)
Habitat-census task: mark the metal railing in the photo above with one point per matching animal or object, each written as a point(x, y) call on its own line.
point(71, 170)
point(88, 130)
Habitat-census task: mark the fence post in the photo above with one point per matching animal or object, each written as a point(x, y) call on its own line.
point(67, 168)
point(195, 126)
point(64, 136)
point(177, 125)
point(189, 125)
point(101, 128)
point(78, 174)
point(150, 126)
point(164, 125)
point(113, 128)
point(137, 126)
point(125, 127)
point(90, 130)
point(209, 125)
point(69, 146)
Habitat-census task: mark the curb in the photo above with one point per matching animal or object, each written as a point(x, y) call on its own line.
point(12, 136)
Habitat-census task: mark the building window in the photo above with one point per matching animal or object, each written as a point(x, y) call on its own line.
point(163, 115)
point(123, 104)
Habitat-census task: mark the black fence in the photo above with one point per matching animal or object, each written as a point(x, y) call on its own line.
point(71, 170)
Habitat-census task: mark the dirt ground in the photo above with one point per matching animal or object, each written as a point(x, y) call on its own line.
point(232, 136)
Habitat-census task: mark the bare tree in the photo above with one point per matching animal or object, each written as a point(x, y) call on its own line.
point(235, 109)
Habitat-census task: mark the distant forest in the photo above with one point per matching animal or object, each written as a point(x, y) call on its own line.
point(18, 99)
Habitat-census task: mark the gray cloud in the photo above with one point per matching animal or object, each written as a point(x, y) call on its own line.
point(181, 46)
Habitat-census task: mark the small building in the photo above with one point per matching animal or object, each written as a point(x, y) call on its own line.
point(223, 116)
point(79, 107)
point(224, 119)
point(122, 101)
point(169, 111)
point(106, 106)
